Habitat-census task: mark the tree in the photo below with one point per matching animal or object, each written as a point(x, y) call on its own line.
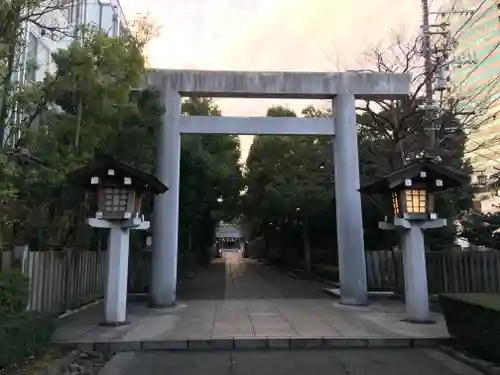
point(211, 181)
point(288, 180)
point(392, 132)
point(87, 106)
point(482, 230)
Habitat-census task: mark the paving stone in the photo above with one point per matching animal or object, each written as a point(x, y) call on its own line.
point(250, 301)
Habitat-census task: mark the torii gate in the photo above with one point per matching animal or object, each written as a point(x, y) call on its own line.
point(341, 88)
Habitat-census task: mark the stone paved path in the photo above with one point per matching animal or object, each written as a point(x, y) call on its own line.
point(337, 362)
point(241, 298)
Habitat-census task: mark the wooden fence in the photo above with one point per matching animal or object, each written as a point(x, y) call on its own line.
point(59, 280)
point(447, 271)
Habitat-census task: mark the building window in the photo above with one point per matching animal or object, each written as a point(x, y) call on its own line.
point(66, 7)
point(31, 57)
point(115, 22)
point(44, 58)
point(482, 179)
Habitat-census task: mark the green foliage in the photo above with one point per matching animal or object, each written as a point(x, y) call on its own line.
point(289, 189)
point(290, 197)
point(211, 182)
point(14, 292)
point(482, 230)
point(88, 106)
point(474, 320)
point(24, 335)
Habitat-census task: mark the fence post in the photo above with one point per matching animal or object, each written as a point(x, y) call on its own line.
point(67, 278)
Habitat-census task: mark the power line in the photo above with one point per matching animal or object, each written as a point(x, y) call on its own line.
point(479, 18)
point(469, 19)
point(481, 63)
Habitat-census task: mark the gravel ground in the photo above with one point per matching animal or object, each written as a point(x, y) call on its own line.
point(79, 363)
point(85, 364)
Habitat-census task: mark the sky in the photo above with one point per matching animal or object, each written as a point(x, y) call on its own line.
point(301, 35)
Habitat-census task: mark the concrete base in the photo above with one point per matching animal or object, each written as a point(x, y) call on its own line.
point(153, 305)
point(114, 324)
point(353, 302)
point(414, 321)
point(335, 292)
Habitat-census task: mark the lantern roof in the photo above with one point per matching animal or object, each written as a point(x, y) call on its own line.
point(100, 166)
point(450, 178)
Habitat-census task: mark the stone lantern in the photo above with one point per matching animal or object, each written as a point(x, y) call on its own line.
point(413, 190)
point(118, 188)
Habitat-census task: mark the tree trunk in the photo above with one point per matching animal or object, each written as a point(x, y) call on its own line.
point(79, 121)
point(307, 250)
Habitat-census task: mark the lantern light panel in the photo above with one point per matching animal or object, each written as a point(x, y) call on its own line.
point(116, 199)
point(416, 201)
point(395, 203)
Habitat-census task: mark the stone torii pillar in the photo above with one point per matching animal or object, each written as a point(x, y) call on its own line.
point(343, 88)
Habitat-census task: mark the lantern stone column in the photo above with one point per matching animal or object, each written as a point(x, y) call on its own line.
point(115, 293)
point(351, 250)
point(116, 268)
point(415, 268)
point(166, 209)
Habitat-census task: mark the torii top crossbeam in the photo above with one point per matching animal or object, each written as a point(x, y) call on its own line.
point(299, 85)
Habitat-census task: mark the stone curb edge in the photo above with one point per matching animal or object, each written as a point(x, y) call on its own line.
point(480, 365)
point(257, 343)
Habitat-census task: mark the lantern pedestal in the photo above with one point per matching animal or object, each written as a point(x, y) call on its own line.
point(116, 274)
point(415, 268)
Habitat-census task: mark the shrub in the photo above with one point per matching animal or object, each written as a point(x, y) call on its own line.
point(14, 292)
point(23, 335)
point(474, 320)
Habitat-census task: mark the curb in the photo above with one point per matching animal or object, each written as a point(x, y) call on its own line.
point(258, 343)
point(335, 292)
point(480, 365)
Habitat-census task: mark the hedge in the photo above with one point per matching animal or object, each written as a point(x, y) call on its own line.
point(24, 335)
point(474, 320)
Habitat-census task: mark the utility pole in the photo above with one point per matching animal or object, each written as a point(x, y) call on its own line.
point(436, 67)
point(428, 73)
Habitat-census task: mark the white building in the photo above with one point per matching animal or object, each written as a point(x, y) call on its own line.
point(41, 42)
